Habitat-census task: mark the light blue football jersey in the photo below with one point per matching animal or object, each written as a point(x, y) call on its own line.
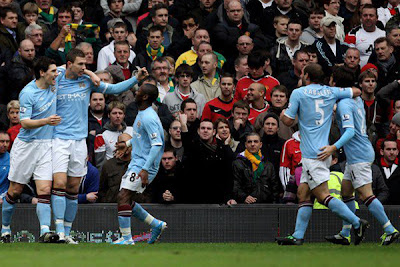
point(313, 104)
point(147, 132)
point(35, 104)
point(73, 104)
point(351, 113)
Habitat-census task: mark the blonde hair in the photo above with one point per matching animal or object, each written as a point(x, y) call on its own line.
point(12, 104)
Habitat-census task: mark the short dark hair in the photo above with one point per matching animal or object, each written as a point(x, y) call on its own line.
point(185, 102)
point(369, 6)
point(315, 73)
point(239, 58)
point(170, 148)
point(256, 59)
point(241, 104)
point(64, 9)
point(295, 21)
point(280, 88)
point(154, 9)
point(308, 49)
point(220, 119)
point(226, 75)
point(120, 24)
point(342, 77)
point(154, 28)
point(387, 140)
point(76, 4)
point(300, 51)
point(252, 134)
point(5, 10)
point(381, 40)
point(317, 11)
point(122, 43)
point(73, 54)
point(150, 90)
point(149, 78)
point(271, 115)
point(42, 64)
point(184, 69)
point(110, 1)
point(366, 74)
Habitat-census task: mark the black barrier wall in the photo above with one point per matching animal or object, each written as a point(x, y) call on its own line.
point(199, 223)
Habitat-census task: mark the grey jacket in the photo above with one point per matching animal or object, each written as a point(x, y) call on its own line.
point(174, 100)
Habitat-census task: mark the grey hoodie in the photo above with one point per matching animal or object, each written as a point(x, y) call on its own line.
point(174, 100)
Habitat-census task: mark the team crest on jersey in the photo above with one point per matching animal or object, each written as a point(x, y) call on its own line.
point(53, 89)
point(138, 124)
point(346, 117)
point(82, 85)
point(22, 109)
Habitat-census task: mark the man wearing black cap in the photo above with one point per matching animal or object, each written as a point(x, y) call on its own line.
point(331, 51)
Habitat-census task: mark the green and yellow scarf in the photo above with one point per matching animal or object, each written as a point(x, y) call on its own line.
point(49, 17)
point(75, 26)
point(257, 165)
point(153, 54)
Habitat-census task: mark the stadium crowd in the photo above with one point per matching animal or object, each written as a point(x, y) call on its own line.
point(224, 70)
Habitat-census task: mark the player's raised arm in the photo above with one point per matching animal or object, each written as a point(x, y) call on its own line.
point(118, 88)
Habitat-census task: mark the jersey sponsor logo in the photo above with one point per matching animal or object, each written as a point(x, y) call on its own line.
point(72, 97)
point(297, 151)
point(47, 105)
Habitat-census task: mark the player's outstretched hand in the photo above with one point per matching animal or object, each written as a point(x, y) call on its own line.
point(142, 73)
point(326, 152)
point(144, 176)
point(53, 120)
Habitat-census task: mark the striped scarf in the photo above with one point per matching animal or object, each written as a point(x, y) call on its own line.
point(152, 53)
point(49, 17)
point(75, 26)
point(257, 165)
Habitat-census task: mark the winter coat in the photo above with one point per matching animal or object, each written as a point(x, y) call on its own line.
point(265, 188)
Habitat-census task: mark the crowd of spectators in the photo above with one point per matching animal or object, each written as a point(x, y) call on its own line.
point(225, 70)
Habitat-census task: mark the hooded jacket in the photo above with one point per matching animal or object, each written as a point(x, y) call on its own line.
point(280, 60)
point(174, 100)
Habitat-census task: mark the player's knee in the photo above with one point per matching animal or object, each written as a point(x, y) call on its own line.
point(44, 190)
point(14, 193)
point(59, 184)
point(123, 197)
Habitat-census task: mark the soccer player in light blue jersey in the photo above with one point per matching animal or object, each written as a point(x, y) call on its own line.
point(69, 143)
point(313, 104)
point(31, 151)
point(360, 155)
point(147, 148)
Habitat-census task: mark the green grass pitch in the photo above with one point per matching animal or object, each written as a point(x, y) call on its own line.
point(200, 254)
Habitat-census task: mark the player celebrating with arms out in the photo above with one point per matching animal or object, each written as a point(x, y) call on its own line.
point(359, 155)
point(315, 118)
point(69, 143)
point(31, 151)
point(147, 148)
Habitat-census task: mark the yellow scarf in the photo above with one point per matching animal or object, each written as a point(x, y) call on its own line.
point(254, 161)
